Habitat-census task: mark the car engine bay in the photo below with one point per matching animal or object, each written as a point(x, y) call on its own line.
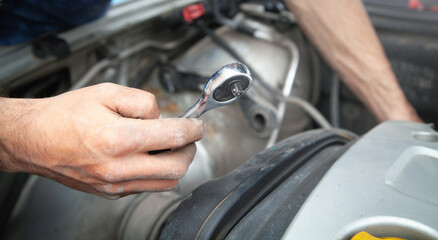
point(281, 144)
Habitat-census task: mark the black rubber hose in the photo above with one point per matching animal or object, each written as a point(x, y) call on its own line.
point(334, 101)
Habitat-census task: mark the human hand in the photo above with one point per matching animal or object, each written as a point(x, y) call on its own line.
point(97, 140)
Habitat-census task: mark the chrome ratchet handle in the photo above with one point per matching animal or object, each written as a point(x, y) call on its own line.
point(194, 111)
point(223, 87)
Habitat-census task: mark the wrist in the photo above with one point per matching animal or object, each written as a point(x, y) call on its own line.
point(389, 103)
point(16, 117)
point(403, 111)
point(380, 92)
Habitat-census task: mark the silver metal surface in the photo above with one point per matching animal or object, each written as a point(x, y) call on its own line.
point(234, 73)
point(126, 53)
point(229, 140)
point(385, 184)
point(267, 33)
point(146, 214)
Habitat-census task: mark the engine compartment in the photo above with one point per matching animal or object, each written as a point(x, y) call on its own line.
point(144, 44)
point(139, 56)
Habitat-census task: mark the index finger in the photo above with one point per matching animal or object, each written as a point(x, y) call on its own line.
point(172, 133)
point(139, 135)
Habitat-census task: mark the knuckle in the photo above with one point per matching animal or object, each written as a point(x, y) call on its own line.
point(111, 190)
point(102, 176)
point(107, 174)
point(186, 131)
point(109, 142)
point(151, 110)
point(106, 86)
point(179, 137)
point(151, 102)
point(101, 188)
point(150, 97)
point(142, 104)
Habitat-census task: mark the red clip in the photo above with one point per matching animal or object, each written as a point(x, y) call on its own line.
point(416, 5)
point(193, 12)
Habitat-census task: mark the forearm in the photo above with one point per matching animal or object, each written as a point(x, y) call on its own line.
point(342, 32)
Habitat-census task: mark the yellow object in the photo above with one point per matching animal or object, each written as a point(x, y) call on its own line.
point(366, 236)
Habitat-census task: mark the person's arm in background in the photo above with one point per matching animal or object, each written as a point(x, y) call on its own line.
point(97, 140)
point(342, 32)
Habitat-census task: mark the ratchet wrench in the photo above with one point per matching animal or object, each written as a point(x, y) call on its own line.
point(223, 87)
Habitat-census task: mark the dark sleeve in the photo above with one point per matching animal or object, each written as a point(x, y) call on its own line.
point(23, 20)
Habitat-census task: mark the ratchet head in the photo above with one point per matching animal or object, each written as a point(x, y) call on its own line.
point(228, 83)
point(223, 87)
